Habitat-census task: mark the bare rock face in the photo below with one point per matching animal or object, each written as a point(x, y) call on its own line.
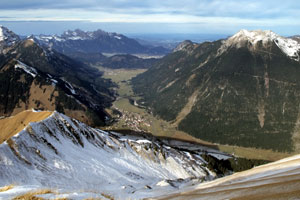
point(240, 91)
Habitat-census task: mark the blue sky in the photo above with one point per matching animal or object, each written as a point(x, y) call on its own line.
point(151, 16)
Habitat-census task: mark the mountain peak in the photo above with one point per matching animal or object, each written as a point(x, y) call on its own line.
point(255, 35)
point(76, 34)
point(183, 46)
point(250, 39)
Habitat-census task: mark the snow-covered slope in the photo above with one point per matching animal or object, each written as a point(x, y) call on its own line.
point(288, 46)
point(30, 70)
point(278, 180)
point(65, 154)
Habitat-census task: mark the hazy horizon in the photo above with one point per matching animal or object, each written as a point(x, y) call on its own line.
point(34, 28)
point(58, 27)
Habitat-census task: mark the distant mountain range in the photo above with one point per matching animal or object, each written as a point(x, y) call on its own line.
point(171, 40)
point(244, 90)
point(296, 37)
point(32, 76)
point(96, 42)
point(89, 47)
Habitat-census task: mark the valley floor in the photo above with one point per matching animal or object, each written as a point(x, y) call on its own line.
point(134, 117)
point(130, 116)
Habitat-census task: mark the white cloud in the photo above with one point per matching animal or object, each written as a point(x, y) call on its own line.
point(96, 16)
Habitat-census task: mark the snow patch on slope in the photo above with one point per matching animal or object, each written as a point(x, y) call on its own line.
point(26, 68)
point(70, 87)
point(117, 37)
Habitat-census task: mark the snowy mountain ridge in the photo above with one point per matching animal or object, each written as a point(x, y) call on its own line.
point(88, 35)
point(77, 34)
point(288, 46)
point(8, 35)
point(67, 35)
point(99, 41)
point(7, 38)
point(60, 152)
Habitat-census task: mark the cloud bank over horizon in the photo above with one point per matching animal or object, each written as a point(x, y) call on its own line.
point(190, 16)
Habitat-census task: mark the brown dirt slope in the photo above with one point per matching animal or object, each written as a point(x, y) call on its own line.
point(13, 125)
